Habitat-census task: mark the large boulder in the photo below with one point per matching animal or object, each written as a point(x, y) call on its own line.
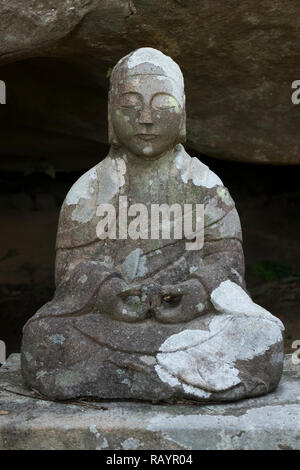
point(239, 60)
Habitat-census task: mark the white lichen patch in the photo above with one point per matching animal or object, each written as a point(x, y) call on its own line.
point(82, 188)
point(147, 150)
point(111, 179)
point(166, 377)
point(187, 367)
point(82, 279)
point(100, 446)
point(184, 339)
point(192, 269)
point(131, 444)
point(200, 307)
point(174, 104)
point(120, 168)
point(94, 430)
point(194, 170)
point(206, 360)
point(194, 368)
point(168, 67)
point(28, 356)
point(81, 195)
point(212, 180)
point(142, 268)
point(126, 382)
point(231, 299)
point(57, 339)
point(83, 213)
point(196, 392)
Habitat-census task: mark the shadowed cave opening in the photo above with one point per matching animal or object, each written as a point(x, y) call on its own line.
point(53, 128)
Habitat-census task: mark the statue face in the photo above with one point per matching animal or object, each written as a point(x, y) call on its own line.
point(145, 115)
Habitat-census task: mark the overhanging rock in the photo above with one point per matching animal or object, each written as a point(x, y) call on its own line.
point(29, 422)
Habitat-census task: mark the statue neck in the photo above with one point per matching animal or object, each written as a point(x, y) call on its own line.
point(134, 161)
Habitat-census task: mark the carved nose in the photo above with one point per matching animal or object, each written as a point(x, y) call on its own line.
point(145, 116)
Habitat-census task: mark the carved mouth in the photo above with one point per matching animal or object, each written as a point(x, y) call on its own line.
point(146, 136)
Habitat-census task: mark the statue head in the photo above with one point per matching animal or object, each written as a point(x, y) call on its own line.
point(146, 110)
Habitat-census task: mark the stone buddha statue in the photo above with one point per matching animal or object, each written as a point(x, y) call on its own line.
point(143, 310)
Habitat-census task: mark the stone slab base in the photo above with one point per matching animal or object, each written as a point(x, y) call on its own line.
point(30, 422)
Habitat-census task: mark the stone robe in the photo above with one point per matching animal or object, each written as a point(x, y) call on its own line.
point(221, 347)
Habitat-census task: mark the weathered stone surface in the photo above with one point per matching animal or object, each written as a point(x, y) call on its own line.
point(239, 60)
point(265, 423)
point(149, 313)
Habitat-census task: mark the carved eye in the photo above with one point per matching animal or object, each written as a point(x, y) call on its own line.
point(171, 301)
point(164, 101)
point(131, 101)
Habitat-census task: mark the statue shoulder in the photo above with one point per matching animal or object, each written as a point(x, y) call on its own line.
point(78, 210)
point(191, 168)
point(218, 203)
point(78, 219)
point(83, 188)
point(103, 180)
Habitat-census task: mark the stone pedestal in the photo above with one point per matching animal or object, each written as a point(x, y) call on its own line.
point(30, 422)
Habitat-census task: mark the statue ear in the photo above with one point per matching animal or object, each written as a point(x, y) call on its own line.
point(182, 133)
point(112, 138)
